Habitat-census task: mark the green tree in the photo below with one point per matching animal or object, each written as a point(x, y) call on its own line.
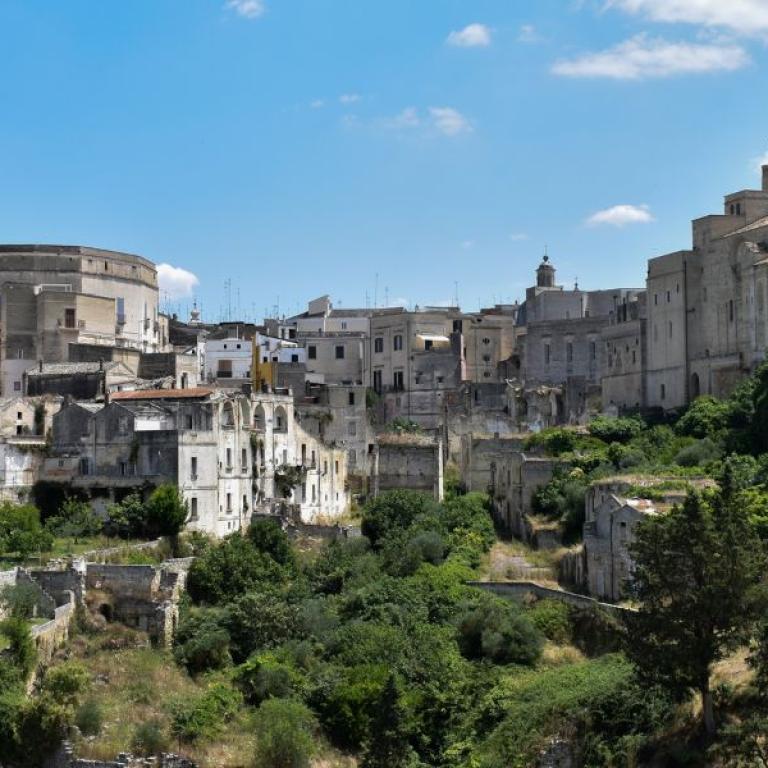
point(284, 734)
point(706, 417)
point(395, 510)
point(388, 744)
point(696, 571)
point(201, 642)
point(259, 620)
point(231, 568)
point(76, 520)
point(166, 511)
point(21, 531)
point(268, 536)
point(21, 646)
point(498, 632)
point(128, 518)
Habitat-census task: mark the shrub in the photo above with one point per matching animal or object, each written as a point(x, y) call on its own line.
point(19, 600)
point(205, 715)
point(259, 620)
point(347, 701)
point(706, 417)
point(230, 568)
point(266, 676)
point(89, 718)
point(149, 738)
point(21, 646)
point(498, 632)
point(616, 430)
point(201, 642)
point(267, 536)
point(557, 441)
point(66, 683)
point(551, 618)
point(395, 510)
point(697, 454)
point(285, 735)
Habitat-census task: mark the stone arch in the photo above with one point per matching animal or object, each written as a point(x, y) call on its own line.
point(245, 411)
point(281, 419)
point(227, 414)
point(259, 418)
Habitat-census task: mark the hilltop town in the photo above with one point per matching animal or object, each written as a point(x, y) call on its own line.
point(282, 518)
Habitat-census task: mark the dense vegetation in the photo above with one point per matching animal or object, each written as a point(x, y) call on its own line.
point(378, 647)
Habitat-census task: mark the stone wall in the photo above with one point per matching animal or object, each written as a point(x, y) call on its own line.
point(518, 590)
point(414, 462)
point(54, 634)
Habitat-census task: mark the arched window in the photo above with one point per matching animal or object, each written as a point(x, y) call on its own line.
point(695, 386)
point(259, 418)
point(227, 415)
point(281, 419)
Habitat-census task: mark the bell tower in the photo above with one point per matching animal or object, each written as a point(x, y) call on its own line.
point(545, 274)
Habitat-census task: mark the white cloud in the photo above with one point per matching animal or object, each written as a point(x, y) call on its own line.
point(449, 121)
point(349, 98)
point(759, 162)
point(175, 282)
point(472, 36)
point(408, 118)
point(317, 104)
point(249, 9)
point(748, 17)
point(468, 245)
point(621, 215)
point(641, 57)
point(528, 34)
point(517, 237)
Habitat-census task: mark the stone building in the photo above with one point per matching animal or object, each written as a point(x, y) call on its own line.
point(52, 296)
point(230, 455)
point(408, 461)
point(708, 306)
point(510, 474)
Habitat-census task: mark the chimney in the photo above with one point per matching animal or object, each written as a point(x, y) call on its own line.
point(765, 178)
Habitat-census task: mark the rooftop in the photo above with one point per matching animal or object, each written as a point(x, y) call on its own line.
point(68, 369)
point(164, 394)
point(70, 250)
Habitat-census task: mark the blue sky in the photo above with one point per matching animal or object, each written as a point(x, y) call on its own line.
point(298, 147)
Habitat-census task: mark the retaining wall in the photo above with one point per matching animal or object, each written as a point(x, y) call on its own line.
point(517, 590)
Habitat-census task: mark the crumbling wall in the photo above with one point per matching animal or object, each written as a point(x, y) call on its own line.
point(408, 461)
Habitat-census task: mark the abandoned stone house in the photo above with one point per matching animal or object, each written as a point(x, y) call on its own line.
point(226, 453)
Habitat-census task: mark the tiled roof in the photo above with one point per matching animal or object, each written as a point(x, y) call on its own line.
point(163, 394)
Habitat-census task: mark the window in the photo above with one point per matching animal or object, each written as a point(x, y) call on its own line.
point(312, 352)
point(378, 345)
point(244, 459)
point(291, 333)
point(344, 326)
point(569, 352)
point(120, 310)
point(336, 467)
point(377, 382)
point(546, 354)
point(351, 398)
point(188, 421)
point(19, 415)
point(84, 465)
point(229, 458)
point(229, 502)
point(655, 298)
point(17, 386)
point(486, 358)
point(428, 344)
point(397, 342)
point(294, 358)
point(668, 297)
point(663, 391)
point(69, 318)
point(670, 329)
point(592, 350)
point(398, 381)
point(486, 341)
point(193, 509)
point(245, 503)
point(634, 356)
point(340, 352)
point(730, 311)
point(352, 428)
point(193, 468)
